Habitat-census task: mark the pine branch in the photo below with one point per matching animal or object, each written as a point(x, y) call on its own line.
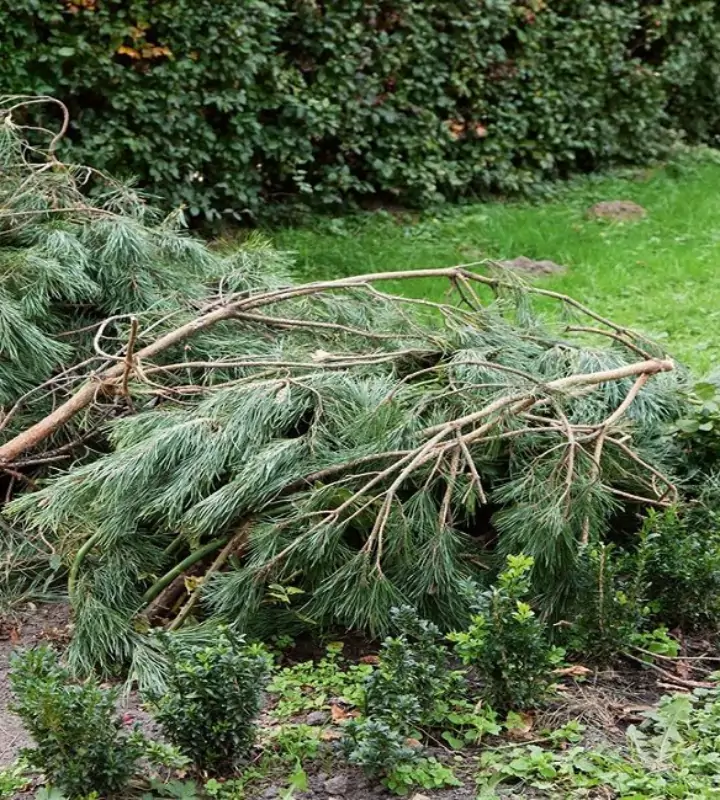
point(107, 379)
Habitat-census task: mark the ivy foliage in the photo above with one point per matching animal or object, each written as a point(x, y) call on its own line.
point(226, 106)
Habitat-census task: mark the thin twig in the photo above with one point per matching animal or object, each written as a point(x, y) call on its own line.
point(236, 542)
point(129, 361)
point(669, 675)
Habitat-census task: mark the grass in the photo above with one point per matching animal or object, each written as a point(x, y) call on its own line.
point(658, 274)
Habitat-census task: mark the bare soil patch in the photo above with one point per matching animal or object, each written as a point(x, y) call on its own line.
point(531, 266)
point(617, 211)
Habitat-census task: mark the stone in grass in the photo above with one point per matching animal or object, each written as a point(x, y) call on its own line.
point(617, 210)
point(529, 266)
point(316, 718)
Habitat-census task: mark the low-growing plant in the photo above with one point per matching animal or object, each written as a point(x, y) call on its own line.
point(412, 683)
point(468, 724)
point(673, 753)
point(292, 747)
point(507, 643)
point(309, 685)
point(378, 747)
point(425, 773)
point(657, 642)
point(681, 553)
point(13, 779)
point(81, 744)
point(212, 699)
point(609, 611)
point(411, 688)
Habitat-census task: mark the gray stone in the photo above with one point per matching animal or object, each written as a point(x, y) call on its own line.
point(336, 785)
point(317, 718)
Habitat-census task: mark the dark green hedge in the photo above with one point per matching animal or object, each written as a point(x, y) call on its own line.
point(226, 105)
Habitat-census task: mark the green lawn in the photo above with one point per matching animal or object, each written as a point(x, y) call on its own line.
point(659, 274)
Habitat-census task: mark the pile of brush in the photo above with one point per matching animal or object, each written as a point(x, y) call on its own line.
point(190, 436)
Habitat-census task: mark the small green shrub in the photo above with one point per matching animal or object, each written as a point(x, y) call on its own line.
point(412, 682)
point(507, 643)
point(80, 743)
point(212, 699)
point(410, 689)
point(377, 747)
point(609, 611)
point(681, 554)
point(382, 751)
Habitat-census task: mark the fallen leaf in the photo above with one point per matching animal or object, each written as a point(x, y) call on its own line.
point(520, 726)
point(370, 660)
point(330, 735)
point(413, 742)
point(339, 714)
point(573, 671)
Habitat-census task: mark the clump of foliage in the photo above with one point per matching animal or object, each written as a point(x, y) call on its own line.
point(698, 429)
point(611, 610)
point(681, 555)
point(506, 642)
point(409, 690)
point(309, 685)
point(673, 753)
point(81, 283)
point(413, 681)
point(80, 742)
point(211, 699)
point(670, 577)
point(415, 101)
point(14, 778)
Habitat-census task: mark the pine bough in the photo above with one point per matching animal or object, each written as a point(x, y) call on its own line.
point(273, 454)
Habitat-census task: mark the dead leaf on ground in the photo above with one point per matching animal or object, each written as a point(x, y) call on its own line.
point(339, 714)
point(522, 726)
point(370, 660)
point(573, 671)
point(413, 743)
